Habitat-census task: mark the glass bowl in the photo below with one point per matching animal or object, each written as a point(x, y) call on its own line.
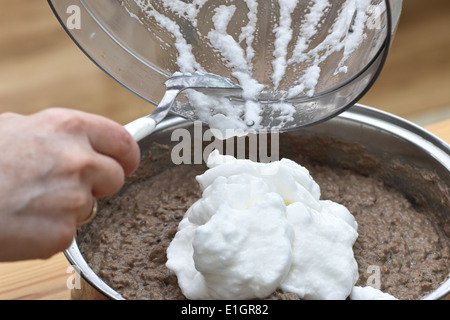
point(303, 64)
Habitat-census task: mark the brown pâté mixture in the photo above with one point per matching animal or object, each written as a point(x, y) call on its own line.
point(127, 241)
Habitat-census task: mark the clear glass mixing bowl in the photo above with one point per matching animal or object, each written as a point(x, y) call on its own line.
point(318, 56)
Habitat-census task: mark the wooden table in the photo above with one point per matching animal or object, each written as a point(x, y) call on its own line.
point(47, 279)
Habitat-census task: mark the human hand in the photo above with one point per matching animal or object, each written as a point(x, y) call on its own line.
point(52, 166)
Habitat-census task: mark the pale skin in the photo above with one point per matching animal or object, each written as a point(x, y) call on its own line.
point(53, 165)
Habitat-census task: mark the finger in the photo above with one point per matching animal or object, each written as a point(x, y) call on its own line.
point(91, 215)
point(105, 136)
point(105, 177)
point(69, 202)
point(75, 205)
point(70, 205)
point(111, 139)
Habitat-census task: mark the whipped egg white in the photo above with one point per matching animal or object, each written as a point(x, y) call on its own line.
point(260, 227)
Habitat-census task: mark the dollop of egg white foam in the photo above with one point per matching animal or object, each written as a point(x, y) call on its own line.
point(260, 227)
point(369, 293)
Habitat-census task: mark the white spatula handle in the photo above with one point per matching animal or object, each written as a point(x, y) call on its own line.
point(140, 128)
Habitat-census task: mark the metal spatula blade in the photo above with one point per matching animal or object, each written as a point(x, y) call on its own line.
point(142, 127)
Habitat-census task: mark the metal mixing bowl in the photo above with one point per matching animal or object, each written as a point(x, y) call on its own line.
point(384, 137)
